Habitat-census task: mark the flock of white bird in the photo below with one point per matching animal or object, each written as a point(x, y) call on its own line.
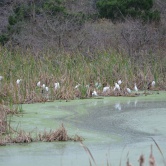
point(117, 87)
point(97, 86)
point(56, 86)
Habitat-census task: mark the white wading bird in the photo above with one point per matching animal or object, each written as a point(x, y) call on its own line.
point(43, 86)
point(56, 85)
point(18, 81)
point(128, 90)
point(77, 86)
point(47, 88)
point(117, 87)
point(119, 82)
point(94, 93)
point(38, 84)
point(106, 89)
point(135, 87)
point(1, 77)
point(153, 83)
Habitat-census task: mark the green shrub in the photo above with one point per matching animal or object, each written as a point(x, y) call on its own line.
point(12, 20)
point(3, 39)
point(119, 9)
point(21, 12)
point(53, 7)
point(2, 2)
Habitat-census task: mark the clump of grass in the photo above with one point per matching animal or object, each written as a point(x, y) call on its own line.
point(4, 123)
point(21, 136)
point(57, 135)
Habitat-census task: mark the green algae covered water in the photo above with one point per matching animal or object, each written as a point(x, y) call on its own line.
point(114, 128)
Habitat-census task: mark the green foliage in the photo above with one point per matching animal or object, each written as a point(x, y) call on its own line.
point(2, 2)
point(24, 11)
point(3, 39)
point(12, 20)
point(53, 7)
point(119, 9)
point(83, 91)
point(21, 12)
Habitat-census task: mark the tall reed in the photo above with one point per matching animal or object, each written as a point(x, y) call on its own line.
point(70, 69)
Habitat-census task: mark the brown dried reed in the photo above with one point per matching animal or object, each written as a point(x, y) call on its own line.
point(57, 135)
point(141, 160)
point(26, 137)
point(3, 119)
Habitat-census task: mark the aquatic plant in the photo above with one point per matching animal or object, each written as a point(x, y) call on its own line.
point(20, 136)
point(69, 69)
point(141, 161)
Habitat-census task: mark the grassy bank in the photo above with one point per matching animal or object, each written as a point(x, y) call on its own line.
point(70, 69)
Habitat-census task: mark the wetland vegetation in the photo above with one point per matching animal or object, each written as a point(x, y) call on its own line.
point(66, 50)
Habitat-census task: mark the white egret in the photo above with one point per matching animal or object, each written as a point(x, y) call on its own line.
point(106, 89)
point(119, 82)
point(153, 83)
point(56, 85)
point(38, 84)
point(1, 77)
point(43, 86)
point(94, 93)
point(47, 88)
point(18, 81)
point(77, 86)
point(135, 87)
point(117, 87)
point(128, 90)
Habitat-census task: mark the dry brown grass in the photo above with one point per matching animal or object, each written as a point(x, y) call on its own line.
point(3, 120)
point(141, 160)
point(4, 111)
point(21, 136)
point(57, 135)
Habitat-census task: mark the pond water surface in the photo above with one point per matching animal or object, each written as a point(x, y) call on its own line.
point(113, 128)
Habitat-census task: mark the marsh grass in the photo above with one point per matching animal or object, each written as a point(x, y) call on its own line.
point(20, 136)
point(141, 160)
point(70, 69)
point(3, 121)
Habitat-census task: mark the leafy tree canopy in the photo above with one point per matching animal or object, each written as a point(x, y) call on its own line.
point(119, 9)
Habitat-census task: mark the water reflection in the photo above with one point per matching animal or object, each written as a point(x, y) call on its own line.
point(118, 106)
point(135, 103)
point(129, 102)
